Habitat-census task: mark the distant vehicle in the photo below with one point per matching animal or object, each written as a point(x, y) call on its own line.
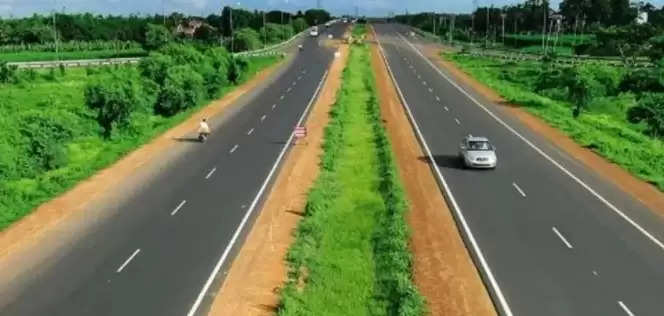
point(477, 152)
point(345, 20)
point(314, 31)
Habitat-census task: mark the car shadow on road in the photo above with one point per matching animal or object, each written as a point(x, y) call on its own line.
point(444, 161)
point(186, 139)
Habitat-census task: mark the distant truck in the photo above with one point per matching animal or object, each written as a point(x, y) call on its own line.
point(314, 31)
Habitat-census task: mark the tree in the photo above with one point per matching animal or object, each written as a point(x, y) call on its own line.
point(206, 33)
point(299, 25)
point(578, 89)
point(114, 98)
point(157, 36)
point(316, 16)
point(247, 39)
point(650, 109)
point(183, 88)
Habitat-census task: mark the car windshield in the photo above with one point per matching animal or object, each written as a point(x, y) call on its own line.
point(479, 145)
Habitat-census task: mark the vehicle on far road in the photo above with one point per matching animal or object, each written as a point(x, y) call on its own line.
point(314, 31)
point(477, 152)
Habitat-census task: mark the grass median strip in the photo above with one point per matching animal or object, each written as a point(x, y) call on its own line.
point(351, 255)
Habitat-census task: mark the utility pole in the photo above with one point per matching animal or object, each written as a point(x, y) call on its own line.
point(503, 16)
point(433, 17)
point(486, 33)
point(163, 11)
point(55, 30)
point(231, 26)
point(450, 33)
point(472, 23)
point(545, 8)
point(264, 31)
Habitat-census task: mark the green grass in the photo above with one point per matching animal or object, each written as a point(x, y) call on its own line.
point(602, 128)
point(86, 151)
point(48, 56)
point(351, 256)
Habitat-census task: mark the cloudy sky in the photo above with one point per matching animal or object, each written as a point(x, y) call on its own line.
point(368, 7)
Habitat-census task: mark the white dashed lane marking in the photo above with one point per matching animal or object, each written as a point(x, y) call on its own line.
point(128, 260)
point(178, 207)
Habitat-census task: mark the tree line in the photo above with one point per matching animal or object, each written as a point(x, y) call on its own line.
point(42, 29)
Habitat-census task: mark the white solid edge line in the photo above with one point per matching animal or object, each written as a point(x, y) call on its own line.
point(128, 260)
point(179, 207)
point(542, 153)
point(234, 148)
point(251, 131)
point(457, 210)
point(516, 186)
point(555, 230)
point(210, 173)
point(625, 308)
point(216, 269)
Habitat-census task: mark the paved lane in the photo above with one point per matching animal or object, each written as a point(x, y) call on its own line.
point(550, 237)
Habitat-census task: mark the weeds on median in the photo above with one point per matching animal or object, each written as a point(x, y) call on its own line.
point(351, 255)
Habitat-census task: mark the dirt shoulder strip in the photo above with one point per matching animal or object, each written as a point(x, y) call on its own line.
point(443, 269)
point(642, 191)
point(256, 275)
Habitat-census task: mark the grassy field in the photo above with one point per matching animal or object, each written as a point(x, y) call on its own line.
point(603, 127)
point(351, 252)
point(53, 102)
point(48, 56)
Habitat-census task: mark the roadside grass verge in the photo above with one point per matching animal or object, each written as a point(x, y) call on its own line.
point(60, 98)
point(49, 56)
point(603, 127)
point(350, 255)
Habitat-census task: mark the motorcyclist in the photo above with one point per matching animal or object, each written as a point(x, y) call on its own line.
point(204, 129)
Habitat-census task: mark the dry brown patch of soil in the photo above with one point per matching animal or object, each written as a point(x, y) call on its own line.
point(258, 272)
point(443, 269)
point(40, 226)
point(642, 191)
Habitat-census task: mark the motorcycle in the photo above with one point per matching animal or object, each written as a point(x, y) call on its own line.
point(202, 137)
point(300, 47)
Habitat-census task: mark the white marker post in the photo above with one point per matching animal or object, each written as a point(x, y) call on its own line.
point(300, 133)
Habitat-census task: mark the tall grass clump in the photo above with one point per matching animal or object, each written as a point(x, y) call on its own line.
point(350, 255)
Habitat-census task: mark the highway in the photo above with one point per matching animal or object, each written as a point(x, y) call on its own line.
point(549, 235)
point(173, 240)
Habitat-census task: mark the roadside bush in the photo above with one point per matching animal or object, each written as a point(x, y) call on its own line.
point(156, 36)
point(183, 88)
point(650, 109)
point(155, 67)
point(44, 134)
point(183, 54)
point(246, 39)
point(7, 73)
point(642, 80)
point(237, 69)
point(114, 97)
point(299, 25)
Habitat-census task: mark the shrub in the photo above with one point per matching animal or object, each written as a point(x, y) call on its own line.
point(299, 25)
point(650, 109)
point(44, 134)
point(183, 88)
point(155, 67)
point(114, 97)
point(183, 54)
point(246, 39)
point(237, 69)
point(642, 80)
point(7, 73)
point(156, 36)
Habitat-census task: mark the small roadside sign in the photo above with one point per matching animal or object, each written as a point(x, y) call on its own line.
point(300, 131)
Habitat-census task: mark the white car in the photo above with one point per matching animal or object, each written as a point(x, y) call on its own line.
point(477, 152)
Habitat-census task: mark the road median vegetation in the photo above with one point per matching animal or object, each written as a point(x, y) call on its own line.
point(351, 254)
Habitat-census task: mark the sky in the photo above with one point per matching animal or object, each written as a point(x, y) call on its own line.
point(205, 7)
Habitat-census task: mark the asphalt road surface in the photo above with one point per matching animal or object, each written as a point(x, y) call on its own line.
point(160, 254)
point(549, 236)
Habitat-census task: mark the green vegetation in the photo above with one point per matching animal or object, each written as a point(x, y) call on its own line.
point(93, 54)
point(351, 252)
point(60, 126)
point(605, 100)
